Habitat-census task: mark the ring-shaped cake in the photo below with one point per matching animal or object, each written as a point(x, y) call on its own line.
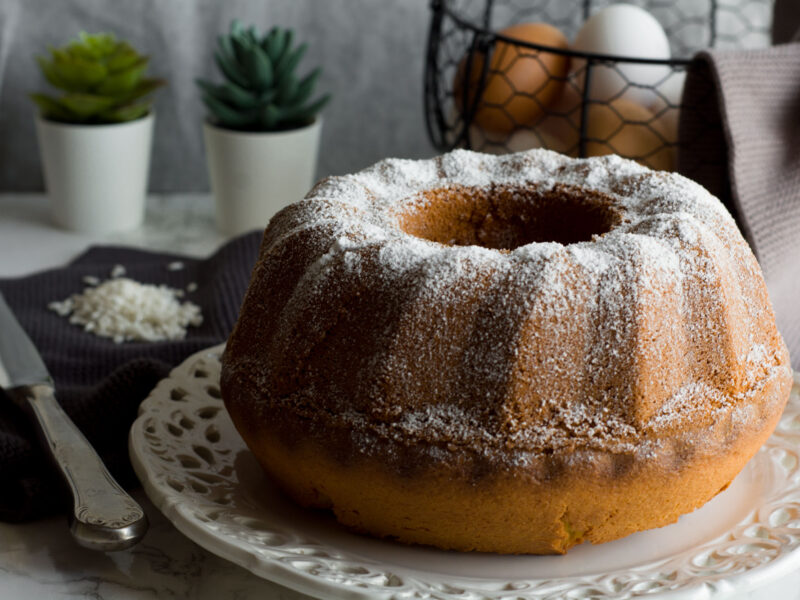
point(505, 353)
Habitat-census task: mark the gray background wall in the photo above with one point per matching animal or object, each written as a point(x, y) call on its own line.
point(372, 53)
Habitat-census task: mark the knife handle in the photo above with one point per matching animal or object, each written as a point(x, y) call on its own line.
point(104, 516)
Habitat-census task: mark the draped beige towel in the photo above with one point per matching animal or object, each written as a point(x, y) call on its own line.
point(742, 127)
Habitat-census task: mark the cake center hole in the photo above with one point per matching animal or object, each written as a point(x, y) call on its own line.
point(504, 217)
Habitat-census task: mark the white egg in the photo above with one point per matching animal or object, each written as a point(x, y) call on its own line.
point(554, 133)
point(487, 141)
point(665, 103)
point(623, 30)
point(666, 123)
point(669, 91)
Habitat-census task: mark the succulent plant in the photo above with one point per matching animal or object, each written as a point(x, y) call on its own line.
point(103, 80)
point(262, 91)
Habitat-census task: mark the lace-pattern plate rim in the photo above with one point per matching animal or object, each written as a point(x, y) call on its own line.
point(197, 471)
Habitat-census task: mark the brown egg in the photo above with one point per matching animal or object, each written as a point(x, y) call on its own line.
point(520, 82)
point(557, 130)
point(630, 130)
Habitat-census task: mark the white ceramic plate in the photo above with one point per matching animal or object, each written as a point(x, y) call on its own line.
point(197, 470)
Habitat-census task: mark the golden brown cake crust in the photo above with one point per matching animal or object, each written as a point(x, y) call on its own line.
point(471, 501)
point(427, 349)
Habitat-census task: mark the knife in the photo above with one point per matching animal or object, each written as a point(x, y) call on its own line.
point(104, 516)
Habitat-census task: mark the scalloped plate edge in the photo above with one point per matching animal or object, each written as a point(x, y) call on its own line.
point(170, 504)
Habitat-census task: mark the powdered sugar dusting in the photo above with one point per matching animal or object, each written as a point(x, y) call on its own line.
point(541, 350)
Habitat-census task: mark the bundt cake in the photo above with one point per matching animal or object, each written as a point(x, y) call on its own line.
point(505, 353)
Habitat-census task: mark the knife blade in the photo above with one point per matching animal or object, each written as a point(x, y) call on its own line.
point(19, 360)
point(104, 517)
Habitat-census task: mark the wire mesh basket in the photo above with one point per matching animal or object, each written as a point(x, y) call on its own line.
point(487, 89)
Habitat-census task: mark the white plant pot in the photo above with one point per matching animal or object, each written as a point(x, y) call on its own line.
point(254, 175)
point(96, 175)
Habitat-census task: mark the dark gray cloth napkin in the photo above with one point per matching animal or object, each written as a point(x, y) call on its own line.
point(99, 383)
point(742, 115)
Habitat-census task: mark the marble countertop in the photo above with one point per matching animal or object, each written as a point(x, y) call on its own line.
point(182, 223)
point(40, 560)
